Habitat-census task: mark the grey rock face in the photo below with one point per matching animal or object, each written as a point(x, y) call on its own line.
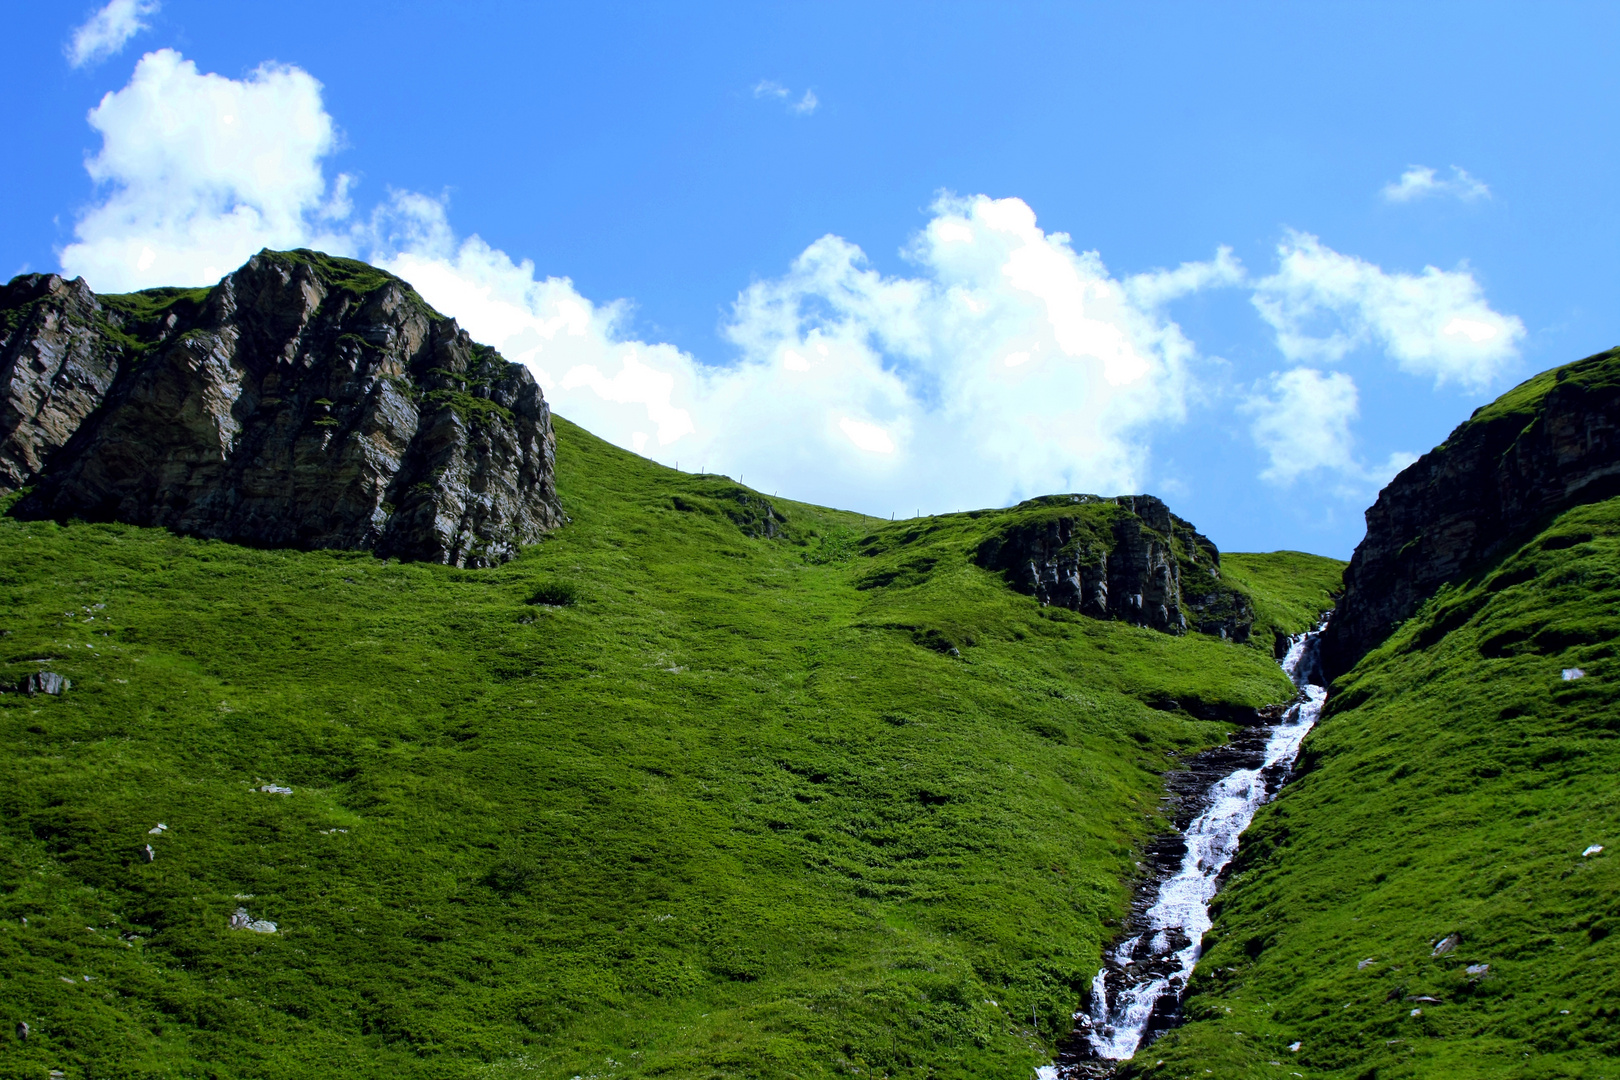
point(57, 364)
point(1124, 558)
point(1549, 444)
point(314, 402)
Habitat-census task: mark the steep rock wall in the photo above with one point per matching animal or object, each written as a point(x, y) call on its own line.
point(308, 402)
point(1550, 443)
point(1125, 558)
point(57, 364)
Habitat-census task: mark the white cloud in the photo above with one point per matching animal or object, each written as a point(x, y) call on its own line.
point(1420, 182)
point(1323, 305)
point(201, 171)
point(1158, 287)
point(853, 387)
point(769, 88)
point(1004, 364)
point(1303, 424)
point(1302, 421)
point(108, 30)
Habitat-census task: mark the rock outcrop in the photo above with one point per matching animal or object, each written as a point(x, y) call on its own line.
point(57, 363)
point(1124, 558)
point(305, 401)
point(1547, 444)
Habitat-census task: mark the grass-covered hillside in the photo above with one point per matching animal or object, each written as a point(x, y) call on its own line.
point(1455, 787)
point(665, 796)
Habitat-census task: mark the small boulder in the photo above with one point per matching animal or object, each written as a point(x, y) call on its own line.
point(1595, 849)
point(241, 920)
point(275, 789)
point(1573, 673)
point(147, 854)
point(1367, 963)
point(45, 682)
point(1477, 969)
point(1447, 944)
point(22, 1031)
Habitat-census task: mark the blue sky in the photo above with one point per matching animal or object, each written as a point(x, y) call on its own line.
point(891, 257)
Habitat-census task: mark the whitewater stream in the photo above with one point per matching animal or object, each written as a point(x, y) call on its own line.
point(1138, 991)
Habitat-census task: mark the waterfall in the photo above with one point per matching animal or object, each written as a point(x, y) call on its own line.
point(1144, 976)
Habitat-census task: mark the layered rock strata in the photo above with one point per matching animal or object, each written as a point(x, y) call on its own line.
point(1125, 558)
point(304, 401)
point(1550, 443)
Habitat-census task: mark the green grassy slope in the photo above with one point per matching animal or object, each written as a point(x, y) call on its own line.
point(1451, 789)
point(1290, 589)
point(723, 806)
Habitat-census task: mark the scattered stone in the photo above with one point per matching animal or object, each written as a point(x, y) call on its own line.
point(1416, 1012)
point(45, 682)
point(157, 830)
point(1424, 999)
point(241, 920)
point(1595, 849)
point(1573, 673)
point(146, 852)
point(1293, 1047)
point(1477, 969)
point(275, 789)
point(1447, 944)
point(22, 1031)
point(1367, 963)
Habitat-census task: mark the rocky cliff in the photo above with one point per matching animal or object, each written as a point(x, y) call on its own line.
point(1548, 444)
point(304, 401)
point(1125, 558)
point(57, 362)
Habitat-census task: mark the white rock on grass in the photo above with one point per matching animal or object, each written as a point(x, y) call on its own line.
point(241, 920)
point(275, 789)
point(1595, 849)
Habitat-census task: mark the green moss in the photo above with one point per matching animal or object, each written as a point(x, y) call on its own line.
point(470, 407)
point(150, 305)
point(358, 279)
point(1523, 402)
point(1452, 788)
point(725, 814)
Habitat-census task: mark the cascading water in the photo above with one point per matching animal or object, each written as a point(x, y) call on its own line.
point(1146, 974)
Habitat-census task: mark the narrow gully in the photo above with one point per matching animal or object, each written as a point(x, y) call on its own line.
point(1136, 995)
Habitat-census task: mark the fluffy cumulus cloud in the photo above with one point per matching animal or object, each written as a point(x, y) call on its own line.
point(1422, 182)
point(108, 30)
point(1003, 363)
point(1302, 422)
point(1435, 324)
point(1008, 364)
point(199, 171)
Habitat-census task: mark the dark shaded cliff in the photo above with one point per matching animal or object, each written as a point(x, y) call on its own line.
point(1548, 444)
point(305, 401)
point(1125, 558)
